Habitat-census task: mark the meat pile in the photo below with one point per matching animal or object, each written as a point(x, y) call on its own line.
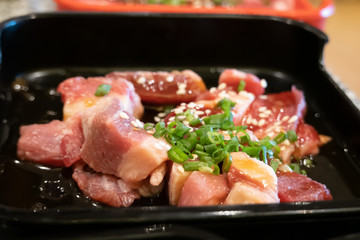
point(116, 160)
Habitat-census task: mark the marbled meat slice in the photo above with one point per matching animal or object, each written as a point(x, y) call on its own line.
point(78, 94)
point(104, 188)
point(164, 87)
point(116, 143)
point(55, 144)
point(295, 187)
point(203, 189)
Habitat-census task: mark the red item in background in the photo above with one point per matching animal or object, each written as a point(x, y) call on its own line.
point(301, 10)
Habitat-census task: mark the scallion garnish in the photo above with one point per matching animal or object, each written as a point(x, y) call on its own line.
point(205, 147)
point(241, 85)
point(102, 90)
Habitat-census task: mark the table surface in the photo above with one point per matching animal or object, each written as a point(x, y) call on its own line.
point(341, 54)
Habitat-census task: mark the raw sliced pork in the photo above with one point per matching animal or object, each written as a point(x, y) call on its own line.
point(78, 94)
point(55, 144)
point(104, 188)
point(203, 189)
point(251, 181)
point(116, 143)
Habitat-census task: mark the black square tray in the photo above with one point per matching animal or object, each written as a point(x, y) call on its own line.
point(41, 50)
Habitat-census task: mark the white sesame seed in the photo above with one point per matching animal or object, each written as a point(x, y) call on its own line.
point(157, 119)
point(139, 123)
point(207, 111)
point(263, 115)
point(262, 109)
point(293, 119)
point(287, 142)
point(199, 112)
point(254, 122)
point(263, 97)
point(123, 115)
point(141, 80)
point(191, 105)
point(161, 114)
point(248, 121)
point(170, 78)
point(222, 86)
point(178, 110)
point(181, 88)
point(262, 122)
point(171, 119)
point(268, 112)
point(200, 105)
point(181, 117)
point(212, 90)
point(285, 118)
point(133, 123)
point(263, 83)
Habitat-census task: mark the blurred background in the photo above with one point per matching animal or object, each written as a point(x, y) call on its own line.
point(341, 55)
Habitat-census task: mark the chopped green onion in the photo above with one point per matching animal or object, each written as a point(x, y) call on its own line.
point(102, 90)
point(194, 122)
point(291, 135)
point(159, 129)
point(252, 151)
point(193, 165)
point(177, 155)
point(148, 126)
point(280, 138)
point(274, 165)
point(295, 167)
point(241, 85)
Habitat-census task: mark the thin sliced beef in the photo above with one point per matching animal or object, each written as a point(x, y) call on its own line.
point(55, 144)
point(78, 94)
point(116, 143)
point(104, 188)
point(295, 187)
point(164, 87)
point(203, 189)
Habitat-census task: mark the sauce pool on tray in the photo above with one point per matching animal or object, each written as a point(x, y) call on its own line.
point(230, 144)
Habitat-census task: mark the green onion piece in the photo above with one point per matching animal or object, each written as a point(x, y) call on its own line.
point(177, 155)
point(199, 147)
point(295, 167)
point(291, 135)
point(308, 163)
point(252, 151)
point(193, 165)
point(194, 122)
point(206, 169)
point(274, 165)
point(159, 129)
point(241, 85)
point(180, 129)
point(280, 138)
point(216, 169)
point(227, 163)
point(215, 137)
point(102, 90)
point(210, 148)
point(219, 155)
point(148, 126)
point(200, 153)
